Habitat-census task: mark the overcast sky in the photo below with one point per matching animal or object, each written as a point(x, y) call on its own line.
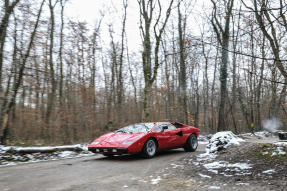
point(90, 11)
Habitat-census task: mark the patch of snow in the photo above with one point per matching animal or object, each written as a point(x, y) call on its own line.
point(64, 147)
point(258, 134)
point(213, 171)
point(242, 184)
point(66, 154)
point(214, 187)
point(14, 155)
point(156, 180)
point(203, 139)
point(269, 171)
point(195, 163)
point(262, 134)
point(278, 151)
point(222, 140)
point(243, 173)
point(204, 176)
point(226, 175)
point(206, 157)
point(237, 167)
point(176, 165)
point(281, 143)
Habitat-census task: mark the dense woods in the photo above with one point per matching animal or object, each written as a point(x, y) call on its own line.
point(59, 83)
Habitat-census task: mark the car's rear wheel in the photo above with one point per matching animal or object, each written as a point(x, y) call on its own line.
point(191, 143)
point(149, 148)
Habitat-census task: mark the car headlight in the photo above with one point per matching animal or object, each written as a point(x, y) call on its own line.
point(95, 143)
point(127, 142)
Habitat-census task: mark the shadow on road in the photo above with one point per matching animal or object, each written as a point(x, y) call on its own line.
point(135, 157)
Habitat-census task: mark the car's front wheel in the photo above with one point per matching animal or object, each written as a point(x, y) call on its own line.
point(191, 143)
point(149, 148)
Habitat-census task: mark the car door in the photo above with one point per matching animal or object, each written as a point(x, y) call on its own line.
point(168, 138)
point(175, 136)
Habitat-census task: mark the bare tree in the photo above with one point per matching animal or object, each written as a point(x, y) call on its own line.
point(52, 94)
point(222, 33)
point(182, 73)
point(147, 13)
point(8, 10)
point(4, 118)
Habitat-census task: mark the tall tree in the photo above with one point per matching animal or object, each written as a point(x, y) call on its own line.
point(120, 84)
point(222, 33)
point(150, 66)
point(4, 118)
point(8, 10)
point(52, 93)
point(182, 72)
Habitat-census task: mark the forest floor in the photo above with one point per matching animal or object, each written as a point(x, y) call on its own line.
point(259, 163)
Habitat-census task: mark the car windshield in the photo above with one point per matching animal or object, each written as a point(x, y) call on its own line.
point(136, 128)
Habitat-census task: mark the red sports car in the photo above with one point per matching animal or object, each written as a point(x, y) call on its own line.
point(146, 138)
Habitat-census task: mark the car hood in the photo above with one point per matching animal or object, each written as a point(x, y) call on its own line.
point(116, 139)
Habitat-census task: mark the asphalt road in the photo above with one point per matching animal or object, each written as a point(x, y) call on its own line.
point(88, 173)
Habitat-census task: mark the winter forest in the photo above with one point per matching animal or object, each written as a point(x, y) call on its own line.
point(214, 64)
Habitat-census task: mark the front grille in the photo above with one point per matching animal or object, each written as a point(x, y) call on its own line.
point(108, 150)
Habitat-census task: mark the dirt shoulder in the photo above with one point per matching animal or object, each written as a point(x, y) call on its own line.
point(256, 164)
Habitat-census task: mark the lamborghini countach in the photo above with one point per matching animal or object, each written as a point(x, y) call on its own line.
point(147, 139)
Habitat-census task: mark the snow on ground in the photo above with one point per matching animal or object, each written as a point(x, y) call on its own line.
point(258, 134)
point(204, 176)
point(214, 187)
point(281, 144)
point(269, 171)
point(202, 139)
point(217, 142)
point(281, 148)
point(237, 167)
point(222, 140)
point(10, 155)
point(156, 180)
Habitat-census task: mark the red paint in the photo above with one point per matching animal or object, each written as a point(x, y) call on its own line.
point(167, 139)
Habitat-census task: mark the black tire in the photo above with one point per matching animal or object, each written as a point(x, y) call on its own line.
point(149, 148)
point(108, 155)
point(191, 143)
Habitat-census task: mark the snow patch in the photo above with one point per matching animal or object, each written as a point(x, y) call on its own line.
point(10, 155)
point(237, 167)
point(204, 176)
point(269, 171)
point(176, 165)
point(278, 151)
point(242, 184)
point(214, 187)
point(156, 180)
point(203, 139)
point(222, 140)
point(258, 134)
point(206, 157)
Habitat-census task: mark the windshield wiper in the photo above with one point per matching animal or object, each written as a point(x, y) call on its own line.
point(121, 131)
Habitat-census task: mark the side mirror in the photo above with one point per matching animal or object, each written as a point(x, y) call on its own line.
point(164, 128)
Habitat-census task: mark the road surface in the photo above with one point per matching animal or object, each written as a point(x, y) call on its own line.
point(88, 173)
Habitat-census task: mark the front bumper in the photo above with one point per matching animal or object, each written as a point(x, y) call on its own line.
point(115, 151)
